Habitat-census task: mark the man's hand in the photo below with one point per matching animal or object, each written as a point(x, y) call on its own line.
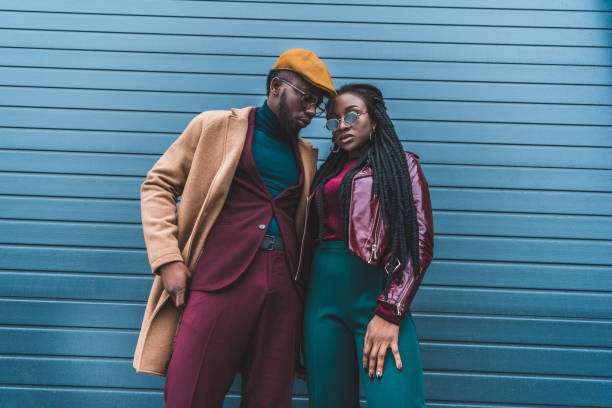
point(381, 335)
point(174, 277)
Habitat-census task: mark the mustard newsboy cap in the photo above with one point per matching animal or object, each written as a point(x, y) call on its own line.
point(309, 66)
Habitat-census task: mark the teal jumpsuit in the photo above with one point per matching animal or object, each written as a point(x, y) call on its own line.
point(340, 303)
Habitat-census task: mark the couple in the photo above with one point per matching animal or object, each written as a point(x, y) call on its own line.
point(268, 259)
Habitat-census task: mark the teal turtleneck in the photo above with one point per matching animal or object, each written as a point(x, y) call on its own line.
point(273, 156)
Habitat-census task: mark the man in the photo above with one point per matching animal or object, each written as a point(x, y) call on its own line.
point(229, 257)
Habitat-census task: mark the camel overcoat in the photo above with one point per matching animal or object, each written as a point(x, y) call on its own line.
point(199, 167)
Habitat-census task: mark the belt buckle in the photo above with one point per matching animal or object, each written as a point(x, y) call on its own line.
point(269, 246)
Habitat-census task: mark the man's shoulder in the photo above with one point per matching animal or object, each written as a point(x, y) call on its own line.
point(306, 144)
point(212, 116)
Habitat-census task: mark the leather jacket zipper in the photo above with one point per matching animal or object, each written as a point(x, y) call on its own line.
point(373, 256)
point(297, 273)
point(402, 296)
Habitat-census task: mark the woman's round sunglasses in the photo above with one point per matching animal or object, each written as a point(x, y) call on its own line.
point(333, 124)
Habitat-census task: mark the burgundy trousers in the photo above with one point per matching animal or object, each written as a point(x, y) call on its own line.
point(252, 326)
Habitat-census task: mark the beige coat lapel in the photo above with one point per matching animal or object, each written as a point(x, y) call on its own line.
point(309, 157)
point(235, 137)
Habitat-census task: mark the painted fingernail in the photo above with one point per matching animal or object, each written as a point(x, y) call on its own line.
point(400, 368)
point(378, 376)
point(365, 369)
point(371, 376)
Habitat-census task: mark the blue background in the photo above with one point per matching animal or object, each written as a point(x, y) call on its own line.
point(508, 103)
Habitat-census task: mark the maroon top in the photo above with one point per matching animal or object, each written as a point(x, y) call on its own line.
point(332, 223)
point(237, 233)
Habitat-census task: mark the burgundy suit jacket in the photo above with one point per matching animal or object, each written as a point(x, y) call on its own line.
point(237, 233)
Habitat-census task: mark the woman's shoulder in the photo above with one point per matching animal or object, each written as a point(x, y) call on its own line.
point(411, 157)
point(414, 164)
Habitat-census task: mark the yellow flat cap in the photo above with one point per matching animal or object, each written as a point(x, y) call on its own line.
point(309, 66)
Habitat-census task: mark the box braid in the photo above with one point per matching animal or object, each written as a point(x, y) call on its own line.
point(391, 184)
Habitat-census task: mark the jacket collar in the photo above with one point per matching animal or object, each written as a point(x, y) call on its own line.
point(242, 115)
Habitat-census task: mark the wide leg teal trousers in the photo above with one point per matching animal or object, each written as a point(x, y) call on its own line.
point(340, 303)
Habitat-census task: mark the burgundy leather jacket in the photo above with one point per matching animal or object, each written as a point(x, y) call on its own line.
point(369, 238)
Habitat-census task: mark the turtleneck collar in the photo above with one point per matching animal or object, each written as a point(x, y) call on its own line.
point(267, 122)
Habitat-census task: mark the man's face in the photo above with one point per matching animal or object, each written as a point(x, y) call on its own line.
point(293, 113)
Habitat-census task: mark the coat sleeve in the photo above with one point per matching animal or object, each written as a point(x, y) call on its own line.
point(402, 293)
point(159, 193)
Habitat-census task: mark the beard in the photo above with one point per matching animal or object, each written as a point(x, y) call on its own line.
point(284, 119)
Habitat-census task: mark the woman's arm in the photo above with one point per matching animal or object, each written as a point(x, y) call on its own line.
point(383, 330)
point(401, 294)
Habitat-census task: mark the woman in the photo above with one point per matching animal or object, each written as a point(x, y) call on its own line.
point(370, 215)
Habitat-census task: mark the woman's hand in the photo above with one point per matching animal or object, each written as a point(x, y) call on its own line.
point(380, 336)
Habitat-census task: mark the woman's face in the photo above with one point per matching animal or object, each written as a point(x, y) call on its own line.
point(351, 138)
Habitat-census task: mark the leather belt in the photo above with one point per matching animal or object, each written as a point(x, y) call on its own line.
point(272, 242)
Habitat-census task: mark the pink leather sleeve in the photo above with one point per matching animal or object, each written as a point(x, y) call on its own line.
point(401, 294)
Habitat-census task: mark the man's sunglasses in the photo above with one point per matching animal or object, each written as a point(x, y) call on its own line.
point(308, 100)
point(333, 124)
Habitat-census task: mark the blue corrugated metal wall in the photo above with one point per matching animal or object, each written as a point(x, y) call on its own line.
point(508, 103)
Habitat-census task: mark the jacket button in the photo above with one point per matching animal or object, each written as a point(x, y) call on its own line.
point(262, 226)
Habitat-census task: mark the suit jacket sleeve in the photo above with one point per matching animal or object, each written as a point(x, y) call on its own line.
point(402, 293)
point(159, 193)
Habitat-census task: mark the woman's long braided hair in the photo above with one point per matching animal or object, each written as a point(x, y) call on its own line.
point(391, 184)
